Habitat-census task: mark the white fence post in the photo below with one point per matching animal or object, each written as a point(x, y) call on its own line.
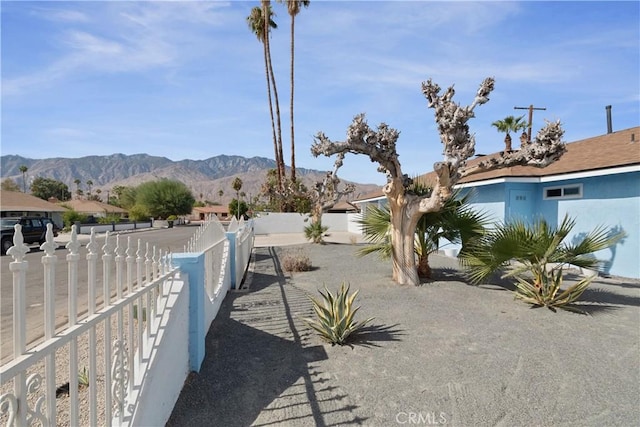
point(138, 286)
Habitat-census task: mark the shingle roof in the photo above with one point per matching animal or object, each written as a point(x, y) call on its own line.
point(212, 209)
point(613, 150)
point(343, 205)
point(92, 207)
point(17, 201)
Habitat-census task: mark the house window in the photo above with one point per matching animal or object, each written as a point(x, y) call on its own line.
point(564, 192)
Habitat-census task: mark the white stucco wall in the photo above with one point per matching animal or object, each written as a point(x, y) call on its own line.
point(276, 222)
point(157, 388)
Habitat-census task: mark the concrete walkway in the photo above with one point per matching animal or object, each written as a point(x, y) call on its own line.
point(443, 353)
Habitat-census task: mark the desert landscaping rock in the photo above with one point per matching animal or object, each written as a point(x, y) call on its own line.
point(443, 353)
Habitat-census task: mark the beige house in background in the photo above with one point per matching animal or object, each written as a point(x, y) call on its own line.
point(201, 213)
point(94, 208)
point(15, 203)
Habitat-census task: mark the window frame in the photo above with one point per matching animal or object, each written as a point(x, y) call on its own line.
point(563, 189)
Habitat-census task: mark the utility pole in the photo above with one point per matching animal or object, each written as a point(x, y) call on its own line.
point(530, 108)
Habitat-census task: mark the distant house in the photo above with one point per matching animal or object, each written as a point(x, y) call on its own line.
point(201, 213)
point(14, 203)
point(344, 207)
point(596, 182)
point(94, 208)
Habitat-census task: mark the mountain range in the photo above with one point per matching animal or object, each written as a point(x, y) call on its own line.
point(205, 178)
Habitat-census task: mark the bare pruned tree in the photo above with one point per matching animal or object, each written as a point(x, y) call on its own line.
point(458, 146)
point(327, 193)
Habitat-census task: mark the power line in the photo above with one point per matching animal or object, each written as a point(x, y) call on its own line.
point(530, 108)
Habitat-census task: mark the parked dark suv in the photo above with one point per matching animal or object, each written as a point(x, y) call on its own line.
point(34, 230)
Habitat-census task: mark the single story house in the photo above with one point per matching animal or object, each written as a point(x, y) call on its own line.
point(93, 208)
point(15, 203)
point(202, 212)
point(596, 182)
point(343, 207)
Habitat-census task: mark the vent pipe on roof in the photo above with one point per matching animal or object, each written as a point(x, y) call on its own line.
point(609, 127)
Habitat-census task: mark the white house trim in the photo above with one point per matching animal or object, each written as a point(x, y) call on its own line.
point(553, 178)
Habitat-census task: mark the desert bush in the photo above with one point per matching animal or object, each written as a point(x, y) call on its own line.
point(109, 219)
point(315, 231)
point(535, 255)
point(335, 315)
point(71, 216)
point(297, 261)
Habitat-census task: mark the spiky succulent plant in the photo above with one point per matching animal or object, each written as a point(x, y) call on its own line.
point(335, 315)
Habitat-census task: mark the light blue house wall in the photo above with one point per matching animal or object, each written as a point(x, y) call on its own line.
point(607, 200)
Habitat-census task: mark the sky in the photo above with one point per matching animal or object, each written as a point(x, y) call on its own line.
point(186, 80)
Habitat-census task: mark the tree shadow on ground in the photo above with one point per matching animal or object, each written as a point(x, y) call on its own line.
point(258, 368)
point(446, 274)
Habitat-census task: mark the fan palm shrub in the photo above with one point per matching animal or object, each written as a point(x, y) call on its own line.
point(315, 232)
point(536, 255)
point(456, 222)
point(335, 315)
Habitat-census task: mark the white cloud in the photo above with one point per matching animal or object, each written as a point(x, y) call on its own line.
point(62, 15)
point(130, 37)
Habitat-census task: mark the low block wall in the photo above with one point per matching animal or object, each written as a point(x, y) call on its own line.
point(277, 222)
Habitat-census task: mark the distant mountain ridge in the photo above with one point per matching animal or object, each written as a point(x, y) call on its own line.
point(205, 177)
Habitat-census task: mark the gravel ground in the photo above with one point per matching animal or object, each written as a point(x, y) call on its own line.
point(443, 353)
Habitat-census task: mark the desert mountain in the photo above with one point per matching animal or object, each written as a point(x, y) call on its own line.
point(204, 177)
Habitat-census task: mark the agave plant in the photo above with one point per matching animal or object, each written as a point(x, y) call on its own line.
point(540, 251)
point(335, 315)
point(456, 222)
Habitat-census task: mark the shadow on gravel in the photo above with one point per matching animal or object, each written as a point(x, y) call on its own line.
point(442, 274)
point(370, 336)
point(603, 296)
point(258, 368)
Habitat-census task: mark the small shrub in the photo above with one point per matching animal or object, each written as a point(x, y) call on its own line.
point(295, 262)
point(535, 255)
point(335, 315)
point(71, 216)
point(83, 378)
point(315, 231)
point(109, 219)
point(543, 291)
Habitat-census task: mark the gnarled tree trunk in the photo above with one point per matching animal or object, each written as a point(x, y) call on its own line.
point(458, 145)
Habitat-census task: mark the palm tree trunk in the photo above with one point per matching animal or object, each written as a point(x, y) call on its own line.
point(293, 146)
point(273, 126)
point(424, 269)
point(277, 142)
point(507, 142)
point(265, 7)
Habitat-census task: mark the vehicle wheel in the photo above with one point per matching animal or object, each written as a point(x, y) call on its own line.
point(6, 244)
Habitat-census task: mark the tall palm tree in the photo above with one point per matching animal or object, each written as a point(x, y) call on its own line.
point(78, 191)
point(266, 13)
point(237, 185)
point(24, 169)
point(509, 124)
point(257, 22)
point(89, 185)
point(293, 7)
point(456, 222)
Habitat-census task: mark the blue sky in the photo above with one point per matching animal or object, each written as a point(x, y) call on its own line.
point(185, 80)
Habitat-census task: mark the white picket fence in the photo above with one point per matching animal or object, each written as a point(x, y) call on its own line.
point(142, 306)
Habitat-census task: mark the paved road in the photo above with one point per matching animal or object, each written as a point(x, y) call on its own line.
point(172, 239)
